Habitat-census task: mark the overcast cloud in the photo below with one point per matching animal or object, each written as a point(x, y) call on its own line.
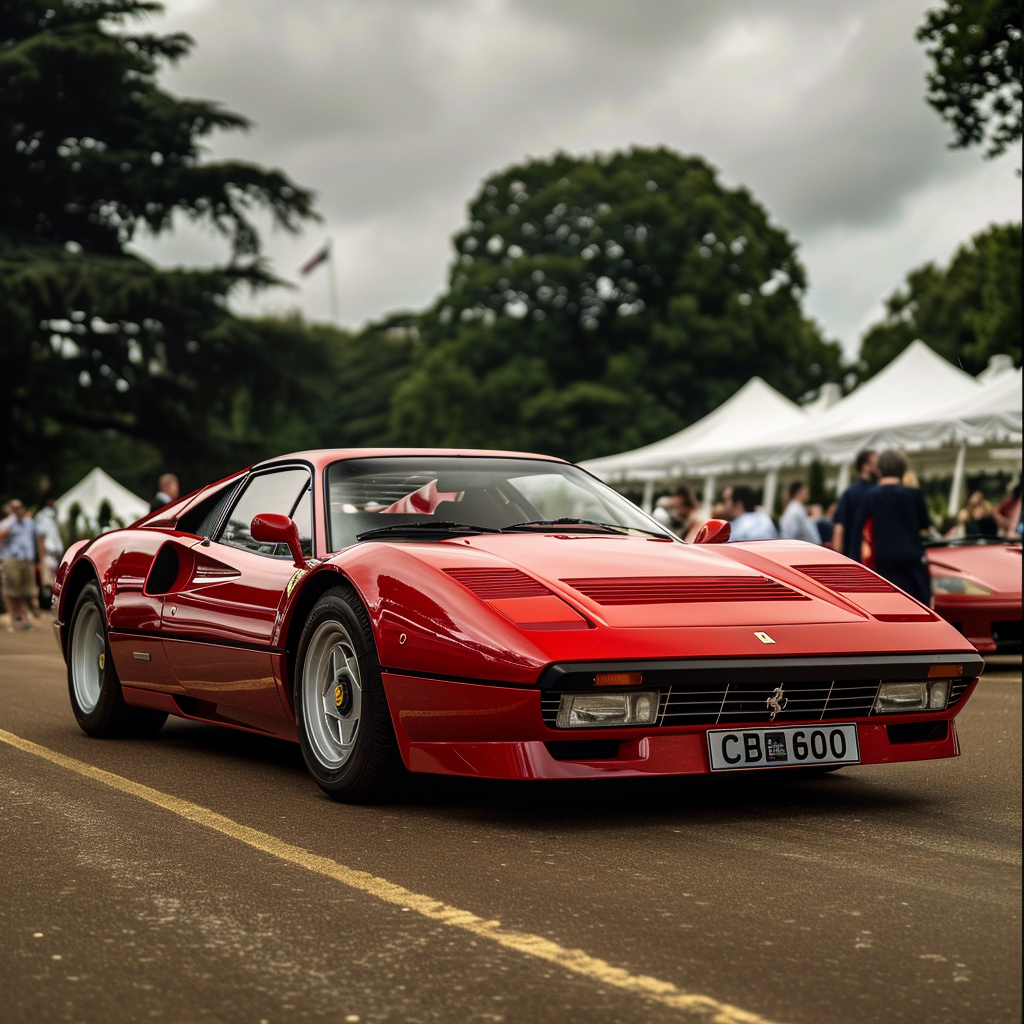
point(394, 110)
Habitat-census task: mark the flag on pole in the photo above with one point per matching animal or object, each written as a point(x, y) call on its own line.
point(320, 256)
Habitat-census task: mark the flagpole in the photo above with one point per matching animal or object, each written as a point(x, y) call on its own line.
point(332, 283)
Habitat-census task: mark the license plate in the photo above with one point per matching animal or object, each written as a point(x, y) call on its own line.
point(788, 746)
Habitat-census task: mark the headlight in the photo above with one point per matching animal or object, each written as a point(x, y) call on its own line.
point(896, 697)
point(958, 585)
point(601, 710)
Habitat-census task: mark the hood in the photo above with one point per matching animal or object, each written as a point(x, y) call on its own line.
point(630, 582)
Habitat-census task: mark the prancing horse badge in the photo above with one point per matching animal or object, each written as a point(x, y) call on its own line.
point(764, 638)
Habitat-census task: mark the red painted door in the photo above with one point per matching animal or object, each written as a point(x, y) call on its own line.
point(218, 629)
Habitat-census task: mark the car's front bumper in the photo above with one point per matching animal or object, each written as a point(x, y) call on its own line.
point(975, 616)
point(460, 728)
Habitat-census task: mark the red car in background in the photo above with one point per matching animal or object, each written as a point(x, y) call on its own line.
point(976, 585)
point(496, 615)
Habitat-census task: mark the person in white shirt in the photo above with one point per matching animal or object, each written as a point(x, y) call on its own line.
point(747, 520)
point(795, 523)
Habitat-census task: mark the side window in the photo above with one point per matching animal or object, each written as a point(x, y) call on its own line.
point(202, 519)
point(277, 492)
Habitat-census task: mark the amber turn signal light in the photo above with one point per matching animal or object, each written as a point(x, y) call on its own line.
point(945, 671)
point(619, 678)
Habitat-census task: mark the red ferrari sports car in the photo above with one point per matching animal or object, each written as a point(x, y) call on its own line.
point(498, 615)
point(976, 587)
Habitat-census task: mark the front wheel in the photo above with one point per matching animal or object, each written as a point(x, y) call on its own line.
point(341, 710)
point(95, 690)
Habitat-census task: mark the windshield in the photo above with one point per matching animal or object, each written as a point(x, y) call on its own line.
point(490, 493)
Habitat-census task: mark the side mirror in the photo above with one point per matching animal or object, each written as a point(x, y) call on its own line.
point(269, 528)
point(714, 531)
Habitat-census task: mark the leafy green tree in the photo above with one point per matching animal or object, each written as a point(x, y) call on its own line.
point(347, 381)
point(966, 312)
point(96, 343)
point(600, 303)
point(975, 81)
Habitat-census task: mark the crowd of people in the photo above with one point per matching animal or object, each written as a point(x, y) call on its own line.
point(31, 547)
point(881, 519)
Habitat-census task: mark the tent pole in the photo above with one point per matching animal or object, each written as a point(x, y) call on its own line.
point(958, 479)
point(648, 499)
point(771, 486)
point(709, 492)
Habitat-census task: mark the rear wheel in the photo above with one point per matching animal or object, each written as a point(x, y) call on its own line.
point(95, 690)
point(341, 711)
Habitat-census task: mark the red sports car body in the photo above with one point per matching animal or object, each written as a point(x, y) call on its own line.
point(442, 608)
point(976, 585)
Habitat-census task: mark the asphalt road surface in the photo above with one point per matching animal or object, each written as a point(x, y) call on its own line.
point(202, 877)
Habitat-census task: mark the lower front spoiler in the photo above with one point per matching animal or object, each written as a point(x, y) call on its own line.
point(652, 755)
point(440, 726)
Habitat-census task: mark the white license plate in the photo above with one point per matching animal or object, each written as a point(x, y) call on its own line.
point(786, 746)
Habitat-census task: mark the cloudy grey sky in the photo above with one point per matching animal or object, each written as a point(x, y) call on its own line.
point(394, 110)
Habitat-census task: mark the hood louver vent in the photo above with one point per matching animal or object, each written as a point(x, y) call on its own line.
point(498, 584)
point(680, 589)
point(846, 578)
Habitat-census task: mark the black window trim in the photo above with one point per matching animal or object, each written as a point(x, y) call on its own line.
point(263, 470)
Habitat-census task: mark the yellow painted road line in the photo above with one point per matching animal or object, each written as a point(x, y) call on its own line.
point(574, 960)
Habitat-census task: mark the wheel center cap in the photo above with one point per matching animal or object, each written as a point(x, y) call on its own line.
point(101, 661)
point(339, 695)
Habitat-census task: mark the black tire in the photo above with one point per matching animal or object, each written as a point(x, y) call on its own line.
point(96, 697)
point(370, 766)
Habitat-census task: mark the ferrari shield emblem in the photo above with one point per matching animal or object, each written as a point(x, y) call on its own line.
point(296, 576)
point(764, 638)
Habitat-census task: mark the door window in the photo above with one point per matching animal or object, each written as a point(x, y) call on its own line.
point(284, 492)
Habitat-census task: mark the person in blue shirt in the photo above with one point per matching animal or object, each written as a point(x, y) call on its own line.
point(795, 523)
point(748, 522)
point(843, 540)
point(18, 552)
point(898, 517)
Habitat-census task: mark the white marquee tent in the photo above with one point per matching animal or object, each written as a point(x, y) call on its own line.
point(743, 415)
point(95, 488)
point(918, 402)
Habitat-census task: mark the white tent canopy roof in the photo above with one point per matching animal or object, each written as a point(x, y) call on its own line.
point(92, 490)
point(887, 411)
point(918, 401)
point(993, 414)
point(733, 423)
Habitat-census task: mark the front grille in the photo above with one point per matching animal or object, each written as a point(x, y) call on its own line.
point(748, 702)
point(683, 589)
point(956, 691)
point(847, 578)
point(1007, 634)
point(728, 703)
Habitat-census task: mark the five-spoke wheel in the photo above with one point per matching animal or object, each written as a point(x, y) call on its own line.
point(332, 693)
point(341, 710)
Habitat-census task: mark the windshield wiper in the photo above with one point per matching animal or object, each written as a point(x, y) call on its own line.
point(546, 523)
point(586, 524)
point(442, 527)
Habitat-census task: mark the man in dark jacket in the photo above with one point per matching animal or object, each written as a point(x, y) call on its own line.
point(850, 502)
point(168, 490)
point(898, 517)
